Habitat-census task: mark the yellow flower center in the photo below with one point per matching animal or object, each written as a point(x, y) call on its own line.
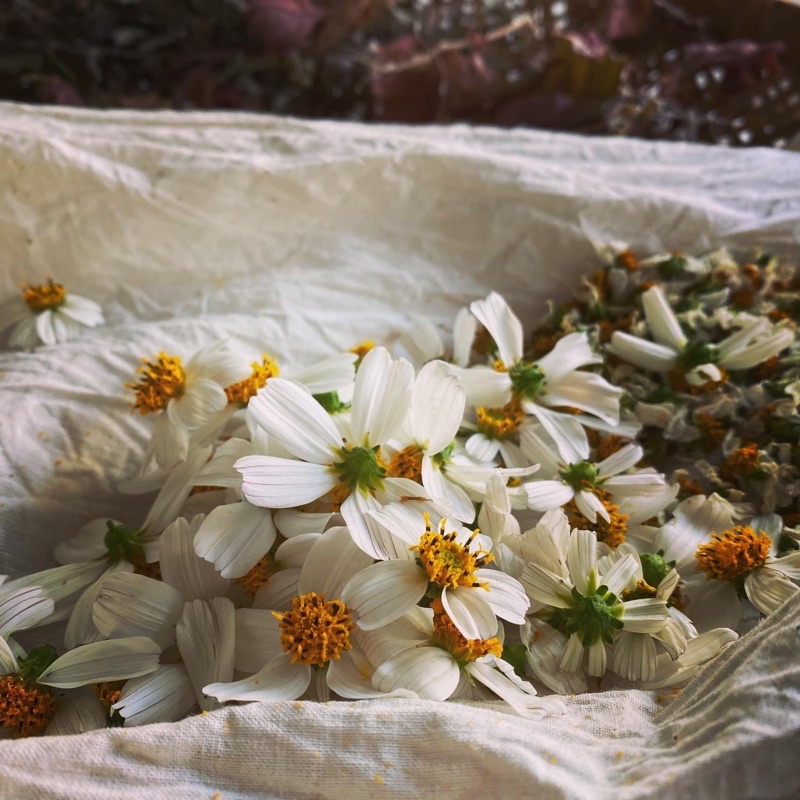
point(450, 563)
point(407, 463)
point(315, 631)
point(108, 693)
point(44, 296)
point(161, 380)
point(258, 575)
point(611, 532)
point(242, 391)
point(642, 591)
point(741, 462)
point(733, 554)
point(361, 349)
point(500, 423)
point(25, 710)
point(463, 650)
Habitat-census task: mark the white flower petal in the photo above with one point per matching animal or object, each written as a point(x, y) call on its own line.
point(484, 386)
point(205, 635)
point(620, 574)
point(758, 351)
point(193, 576)
point(597, 659)
point(384, 591)
point(642, 353)
point(23, 608)
point(329, 375)
point(367, 533)
point(165, 695)
point(589, 504)
point(573, 654)
point(198, 402)
point(82, 310)
point(589, 392)
point(504, 326)
point(437, 486)
point(273, 482)
point(235, 537)
point(546, 495)
point(430, 672)
point(634, 657)
point(506, 596)
point(582, 558)
point(291, 522)
point(77, 713)
point(546, 587)
point(279, 591)
point(437, 407)
point(648, 615)
point(564, 429)
point(98, 662)
point(135, 605)
point(381, 397)
point(767, 589)
point(257, 638)
point(464, 328)
point(661, 319)
point(332, 560)
point(481, 448)
point(569, 353)
point(470, 612)
point(277, 680)
point(618, 462)
point(288, 412)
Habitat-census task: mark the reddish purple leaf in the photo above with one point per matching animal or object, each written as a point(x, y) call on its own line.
point(283, 24)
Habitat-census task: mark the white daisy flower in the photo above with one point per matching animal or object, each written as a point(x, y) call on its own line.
point(422, 343)
point(755, 342)
point(515, 387)
point(722, 562)
point(424, 652)
point(316, 631)
point(639, 495)
point(188, 398)
point(587, 604)
point(353, 472)
point(448, 566)
point(48, 314)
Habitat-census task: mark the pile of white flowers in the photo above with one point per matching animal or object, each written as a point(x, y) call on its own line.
point(479, 515)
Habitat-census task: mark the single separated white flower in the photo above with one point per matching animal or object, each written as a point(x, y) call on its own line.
point(318, 630)
point(586, 603)
point(448, 566)
point(187, 399)
point(755, 342)
point(353, 471)
point(570, 476)
point(424, 652)
point(48, 314)
point(515, 386)
point(722, 562)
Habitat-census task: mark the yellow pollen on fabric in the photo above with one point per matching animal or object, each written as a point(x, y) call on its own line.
point(162, 379)
point(242, 391)
point(500, 423)
point(258, 575)
point(733, 554)
point(447, 562)
point(315, 631)
point(108, 693)
point(44, 295)
point(463, 650)
point(612, 532)
point(407, 463)
point(24, 710)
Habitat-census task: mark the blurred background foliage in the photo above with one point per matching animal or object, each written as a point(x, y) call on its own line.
point(723, 71)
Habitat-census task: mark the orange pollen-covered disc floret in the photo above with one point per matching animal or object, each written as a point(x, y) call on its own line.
point(733, 554)
point(406, 463)
point(463, 650)
point(44, 295)
point(162, 379)
point(258, 575)
point(108, 693)
point(315, 631)
point(242, 391)
point(642, 591)
point(612, 532)
point(25, 710)
point(741, 461)
point(447, 562)
point(500, 423)
point(627, 259)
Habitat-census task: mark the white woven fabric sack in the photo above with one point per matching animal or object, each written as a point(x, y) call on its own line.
point(308, 237)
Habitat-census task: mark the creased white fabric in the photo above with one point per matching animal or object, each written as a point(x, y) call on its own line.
point(300, 238)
